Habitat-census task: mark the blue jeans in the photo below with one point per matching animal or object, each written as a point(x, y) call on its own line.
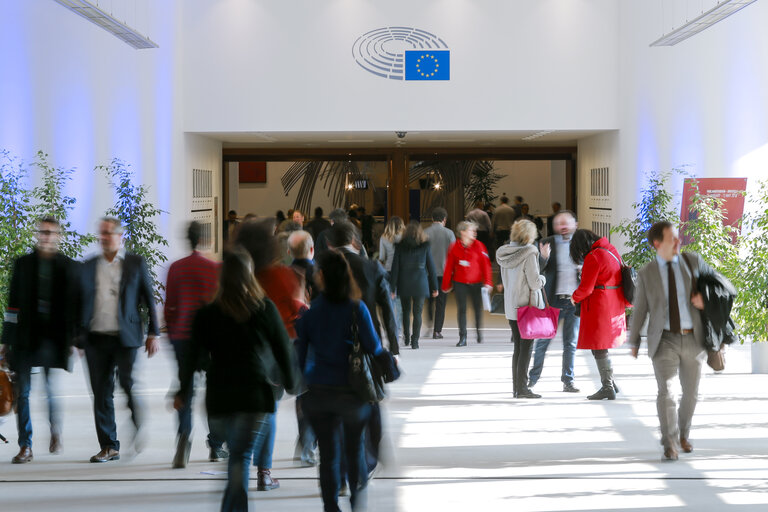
point(263, 458)
point(245, 436)
point(332, 412)
point(570, 337)
point(23, 418)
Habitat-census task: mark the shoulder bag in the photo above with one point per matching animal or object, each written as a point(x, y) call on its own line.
point(715, 358)
point(364, 376)
point(628, 278)
point(535, 323)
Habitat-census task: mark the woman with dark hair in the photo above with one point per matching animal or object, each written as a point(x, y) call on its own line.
point(238, 332)
point(603, 319)
point(326, 335)
point(279, 217)
point(413, 278)
point(283, 287)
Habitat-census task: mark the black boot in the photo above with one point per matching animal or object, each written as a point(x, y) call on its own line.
point(606, 378)
point(415, 342)
point(462, 341)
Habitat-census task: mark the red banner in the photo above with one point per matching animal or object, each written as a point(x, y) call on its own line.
point(730, 190)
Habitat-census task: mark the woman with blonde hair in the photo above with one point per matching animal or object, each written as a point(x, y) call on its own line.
point(393, 233)
point(519, 263)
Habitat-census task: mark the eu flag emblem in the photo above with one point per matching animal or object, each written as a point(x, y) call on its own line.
point(427, 64)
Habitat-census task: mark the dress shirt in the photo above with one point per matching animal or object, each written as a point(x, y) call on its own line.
point(107, 296)
point(566, 268)
point(686, 320)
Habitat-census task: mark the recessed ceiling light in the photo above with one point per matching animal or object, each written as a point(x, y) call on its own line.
point(538, 134)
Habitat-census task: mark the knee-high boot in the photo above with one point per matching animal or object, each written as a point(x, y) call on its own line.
point(607, 392)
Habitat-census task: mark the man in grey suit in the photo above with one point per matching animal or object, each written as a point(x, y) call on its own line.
point(440, 240)
point(675, 332)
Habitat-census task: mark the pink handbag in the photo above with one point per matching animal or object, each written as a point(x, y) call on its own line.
point(535, 323)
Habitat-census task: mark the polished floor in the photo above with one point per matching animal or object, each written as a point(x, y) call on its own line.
point(456, 439)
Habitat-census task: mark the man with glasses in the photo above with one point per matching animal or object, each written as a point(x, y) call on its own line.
point(116, 285)
point(40, 326)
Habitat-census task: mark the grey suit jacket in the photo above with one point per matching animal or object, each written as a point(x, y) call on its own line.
point(650, 299)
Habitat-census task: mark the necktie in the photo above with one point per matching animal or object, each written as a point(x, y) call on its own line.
point(674, 308)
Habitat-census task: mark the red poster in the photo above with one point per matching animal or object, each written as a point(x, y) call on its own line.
point(731, 190)
point(253, 172)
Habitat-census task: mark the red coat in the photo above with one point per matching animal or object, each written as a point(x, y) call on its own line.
point(603, 319)
point(467, 265)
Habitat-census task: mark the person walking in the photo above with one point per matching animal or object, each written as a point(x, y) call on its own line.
point(413, 278)
point(602, 303)
point(191, 284)
point(562, 279)
point(40, 327)
point(318, 224)
point(337, 414)
point(521, 280)
point(483, 227)
point(116, 285)
point(675, 337)
point(468, 270)
point(503, 218)
point(440, 239)
point(242, 335)
point(393, 233)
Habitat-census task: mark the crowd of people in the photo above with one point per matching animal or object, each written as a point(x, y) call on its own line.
point(281, 312)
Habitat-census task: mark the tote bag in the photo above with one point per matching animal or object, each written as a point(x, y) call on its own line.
point(535, 323)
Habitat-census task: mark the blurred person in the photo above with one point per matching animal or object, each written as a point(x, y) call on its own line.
point(230, 226)
point(238, 333)
point(321, 241)
point(298, 218)
point(517, 205)
point(676, 333)
point(332, 407)
point(503, 219)
point(40, 328)
point(519, 263)
point(602, 303)
point(556, 207)
point(482, 221)
point(318, 224)
point(366, 229)
point(468, 270)
point(191, 284)
point(413, 278)
point(562, 279)
point(393, 233)
point(284, 252)
point(115, 287)
point(282, 286)
point(279, 217)
point(440, 239)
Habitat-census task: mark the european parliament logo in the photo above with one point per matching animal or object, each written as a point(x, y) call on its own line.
point(403, 53)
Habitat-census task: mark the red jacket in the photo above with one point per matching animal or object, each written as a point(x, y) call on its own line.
point(191, 284)
point(603, 320)
point(467, 265)
point(282, 286)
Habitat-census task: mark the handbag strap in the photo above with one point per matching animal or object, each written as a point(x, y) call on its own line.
point(621, 263)
point(543, 292)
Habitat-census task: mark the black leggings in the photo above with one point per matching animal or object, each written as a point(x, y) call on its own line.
point(520, 359)
point(600, 354)
point(474, 292)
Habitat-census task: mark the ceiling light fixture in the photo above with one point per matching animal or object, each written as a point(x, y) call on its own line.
point(95, 15)
point(718, 13)
point(538, 134)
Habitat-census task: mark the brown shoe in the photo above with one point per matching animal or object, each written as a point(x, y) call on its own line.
point(55, 446)
point(106, 455)
point(670, 454)
point(24, 455)
point(265, 482)
point(686, 445)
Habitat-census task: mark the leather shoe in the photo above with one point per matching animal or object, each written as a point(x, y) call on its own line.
point(527, 393)
point(686, 445)
point(437, 335)
point(462, 342)
point(106, 455)
point(670, 454)
point(24, 456)
point(55, 446)
point(265, 482)
point(568, 387)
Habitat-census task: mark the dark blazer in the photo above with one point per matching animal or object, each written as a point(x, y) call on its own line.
point(136, 289)
point(374, 285)
point(22, 332)
point(549, 267)
point(413, 272)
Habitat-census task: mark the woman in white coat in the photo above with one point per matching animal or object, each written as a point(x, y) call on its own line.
point(519, 262)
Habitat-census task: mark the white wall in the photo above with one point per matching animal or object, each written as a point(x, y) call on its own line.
point(596, 152)
point(531, 179)
point(261, 65)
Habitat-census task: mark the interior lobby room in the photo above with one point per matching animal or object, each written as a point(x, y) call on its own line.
point(194, 108)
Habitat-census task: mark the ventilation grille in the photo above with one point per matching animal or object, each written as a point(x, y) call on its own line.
point(202, 183)
point(602, 229)
point(203, 208)
point(598, 182)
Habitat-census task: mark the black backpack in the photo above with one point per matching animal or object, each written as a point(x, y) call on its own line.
point(628, 278)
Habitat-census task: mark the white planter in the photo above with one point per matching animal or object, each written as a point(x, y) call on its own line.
point(760, 357)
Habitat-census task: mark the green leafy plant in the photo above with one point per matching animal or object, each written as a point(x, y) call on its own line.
point(50, 200)
point(137, 213)
point(656, 204)
point(17, 226)
point(482, 182)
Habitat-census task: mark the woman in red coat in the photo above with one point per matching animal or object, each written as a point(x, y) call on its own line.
point(603, 320)
point(468, 267)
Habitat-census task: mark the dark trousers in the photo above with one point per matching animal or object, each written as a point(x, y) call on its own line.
point(502, 237)
point(520, 360)
point(104, 354)
point(417, 303)
point(474, 293)
point(331, 412)
point(305, 447)
point(436, 308)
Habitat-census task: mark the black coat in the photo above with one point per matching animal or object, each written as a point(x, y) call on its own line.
point(243, 357)
point(413, 271)
point(23, 333)
point(718, 294)
point(374, 285)
point(135, 290)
